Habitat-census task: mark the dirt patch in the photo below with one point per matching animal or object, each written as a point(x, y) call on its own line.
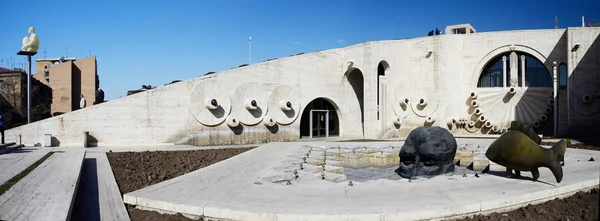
point(136, 170)
point(135, 214)
point(579, 207)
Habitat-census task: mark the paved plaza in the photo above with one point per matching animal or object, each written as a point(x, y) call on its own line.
point(250, 187)
point(276, 182)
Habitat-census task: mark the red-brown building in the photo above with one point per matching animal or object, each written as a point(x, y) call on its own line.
point(68, 78)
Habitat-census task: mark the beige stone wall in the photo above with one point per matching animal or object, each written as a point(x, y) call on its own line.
point(584, 78)
point(86, 68)
point(60, 81)
point(442, 69)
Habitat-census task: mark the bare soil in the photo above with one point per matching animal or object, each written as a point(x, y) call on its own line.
point(136, 170)
point(579, 207)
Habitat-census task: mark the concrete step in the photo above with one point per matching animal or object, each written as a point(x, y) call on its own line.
point(48, 192)
point(17, 161)
point(98, 196)
point(10, 147)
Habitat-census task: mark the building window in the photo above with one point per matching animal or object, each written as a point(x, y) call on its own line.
point(536, 73)
point(562, 76)
point(1, 85)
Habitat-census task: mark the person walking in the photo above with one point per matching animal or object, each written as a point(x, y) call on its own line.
point(82, 102)
point(2, 127)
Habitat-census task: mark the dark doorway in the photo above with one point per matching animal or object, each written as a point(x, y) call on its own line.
point(324, 118)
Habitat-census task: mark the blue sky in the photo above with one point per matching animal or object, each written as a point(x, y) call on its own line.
point(154, 42)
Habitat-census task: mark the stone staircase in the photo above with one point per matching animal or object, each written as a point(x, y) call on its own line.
point(47, 192)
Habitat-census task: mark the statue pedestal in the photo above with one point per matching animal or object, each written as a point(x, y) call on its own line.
point(28, 54)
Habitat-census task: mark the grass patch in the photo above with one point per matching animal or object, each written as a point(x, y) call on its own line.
point(4, 187)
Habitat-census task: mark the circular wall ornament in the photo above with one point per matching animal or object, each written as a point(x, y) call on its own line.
point(401, 101)
point(250, 103)
point(210, 103)
point(425, 103)
point(451, 116)
point(582, 99)
point(284, 105)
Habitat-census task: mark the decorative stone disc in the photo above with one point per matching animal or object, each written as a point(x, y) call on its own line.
point(585, 98)
point(250, 103)
point(424, 110)
point(210, 103)
point(284, 105)
point(471, 126)
point(451, 113)
point(231, 121)
point(399, 104)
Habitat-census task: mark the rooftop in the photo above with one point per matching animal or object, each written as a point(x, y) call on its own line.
point(7, 71)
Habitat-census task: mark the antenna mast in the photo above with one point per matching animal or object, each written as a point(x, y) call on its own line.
point(556, 23)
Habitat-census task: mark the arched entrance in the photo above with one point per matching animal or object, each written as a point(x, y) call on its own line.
point(319, 119)
point(356, 80)
point(381, 68)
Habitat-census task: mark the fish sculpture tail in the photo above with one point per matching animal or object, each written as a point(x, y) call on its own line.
point(558, 153)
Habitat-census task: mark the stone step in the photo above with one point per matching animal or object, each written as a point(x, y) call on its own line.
point(98, 192)
point(10, 147)
point(15, 162)
point(48, 192)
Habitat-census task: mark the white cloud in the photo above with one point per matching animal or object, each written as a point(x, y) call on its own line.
point(341, 41)
point(296, 42)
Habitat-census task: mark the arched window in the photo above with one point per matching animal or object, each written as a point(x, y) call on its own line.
point(536, 74)
point(562, 76)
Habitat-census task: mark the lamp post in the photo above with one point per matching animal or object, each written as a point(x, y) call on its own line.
point(28, 54)
point(29, 48)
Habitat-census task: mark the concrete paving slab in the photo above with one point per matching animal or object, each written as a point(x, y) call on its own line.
point(15, 162)
point(101, 198)
point(48, 192)
point(233, 189)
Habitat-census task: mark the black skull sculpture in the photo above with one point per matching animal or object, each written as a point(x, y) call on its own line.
point(427, 152)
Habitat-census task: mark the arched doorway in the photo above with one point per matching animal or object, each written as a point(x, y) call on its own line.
point(357, 81)
point(319, 119)
point(381, 68)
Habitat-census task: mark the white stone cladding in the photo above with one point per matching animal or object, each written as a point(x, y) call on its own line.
point(443, 70)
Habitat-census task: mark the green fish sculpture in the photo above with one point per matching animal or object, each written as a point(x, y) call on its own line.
point(526, 129)
point(516, 150)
